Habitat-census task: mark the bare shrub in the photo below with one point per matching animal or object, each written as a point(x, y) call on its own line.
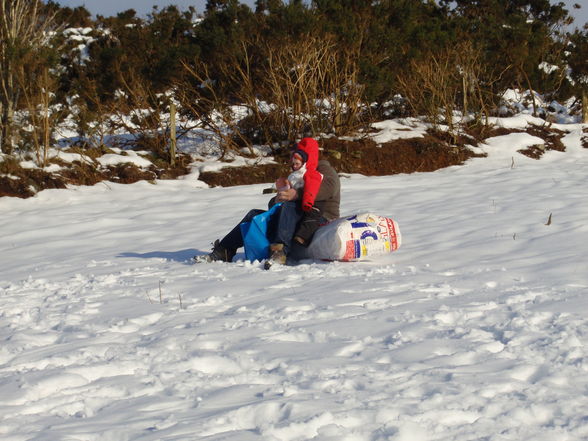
point(452, 83)
point(202, 98)
point(140, 111)
point(303, 86)
point(314, 86)
point(24, 30)
point(584, 106)
point(42, 115)
point(90, 115)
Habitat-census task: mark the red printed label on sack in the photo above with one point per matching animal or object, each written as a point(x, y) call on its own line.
point(352, 250)
point(393, 235)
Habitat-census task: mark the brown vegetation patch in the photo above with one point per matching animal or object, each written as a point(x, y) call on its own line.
point(163, 170)
point(584, 139)
point(19, 182)
point(411, 155)
point(257, 174)
point(81, 173)
point(500, 131)
point(128, 173)
point(533, 151)
point(14, 187)
point(551, 138)
point(425, 154)
point(433, 151)
point(428, 153)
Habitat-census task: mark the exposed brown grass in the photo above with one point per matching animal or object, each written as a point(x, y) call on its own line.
point(20, 182)
point(552, 141)
point(433, 151)
point(365, 157)
point(16, 181)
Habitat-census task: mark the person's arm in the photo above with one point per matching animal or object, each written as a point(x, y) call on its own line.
point(290, 194)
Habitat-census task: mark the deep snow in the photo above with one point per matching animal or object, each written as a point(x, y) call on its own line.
point(476, 329)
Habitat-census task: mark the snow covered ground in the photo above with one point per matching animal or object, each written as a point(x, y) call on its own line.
point(476, 329)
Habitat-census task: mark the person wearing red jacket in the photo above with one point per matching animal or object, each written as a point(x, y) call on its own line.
point(302, 211)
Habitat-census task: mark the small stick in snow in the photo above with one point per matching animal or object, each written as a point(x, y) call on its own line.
point(549, 220)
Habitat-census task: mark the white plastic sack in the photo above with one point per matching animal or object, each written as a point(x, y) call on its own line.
point(357, 237)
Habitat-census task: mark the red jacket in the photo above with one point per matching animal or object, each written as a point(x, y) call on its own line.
point(312, 178)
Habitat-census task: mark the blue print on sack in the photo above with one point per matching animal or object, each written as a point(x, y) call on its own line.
point(357, 246)
point(369, 233)
point(357, 224)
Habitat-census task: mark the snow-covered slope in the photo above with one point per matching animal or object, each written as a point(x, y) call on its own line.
point(476, 329)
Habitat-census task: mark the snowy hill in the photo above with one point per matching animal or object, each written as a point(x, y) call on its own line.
point(476, 329)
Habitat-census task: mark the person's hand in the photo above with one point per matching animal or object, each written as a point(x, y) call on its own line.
point(287, 195)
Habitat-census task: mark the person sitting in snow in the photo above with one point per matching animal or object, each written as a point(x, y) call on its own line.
point(304, 207)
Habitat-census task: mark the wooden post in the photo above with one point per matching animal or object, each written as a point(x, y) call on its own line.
point(585, 105)
point(172, 134)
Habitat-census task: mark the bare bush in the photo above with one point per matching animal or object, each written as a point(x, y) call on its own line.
point(452, 83)
point(24, 31)
point(201, 97)
point(314, 86)
point(303, 87)
point(90, 115)
point(42, 114)
point(585, 106)
point(140, 111)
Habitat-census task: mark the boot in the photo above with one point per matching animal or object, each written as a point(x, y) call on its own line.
point(277, 255)
point(218, 253)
